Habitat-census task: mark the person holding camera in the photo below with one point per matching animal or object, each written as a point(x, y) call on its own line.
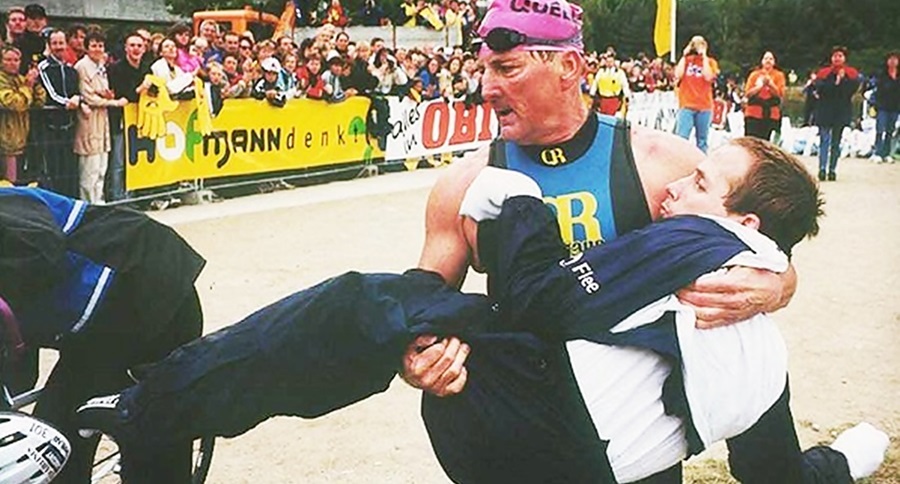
point(695, 74)
point(764, 90)
point(835, 86)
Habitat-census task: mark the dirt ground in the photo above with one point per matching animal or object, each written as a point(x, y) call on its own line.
point(841, 326)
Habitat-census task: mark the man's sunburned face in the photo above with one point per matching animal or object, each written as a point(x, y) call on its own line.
point(520, 87)
point(704, 191)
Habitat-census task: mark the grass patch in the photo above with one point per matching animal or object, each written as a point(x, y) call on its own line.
point(710, 471)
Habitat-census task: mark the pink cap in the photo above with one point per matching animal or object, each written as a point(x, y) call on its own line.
point(539, 20)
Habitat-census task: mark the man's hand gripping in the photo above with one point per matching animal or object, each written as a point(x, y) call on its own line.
point(436, 366)
point(738, 294)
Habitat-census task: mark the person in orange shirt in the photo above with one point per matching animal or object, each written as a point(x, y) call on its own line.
point(695, 74)
point(764, 90)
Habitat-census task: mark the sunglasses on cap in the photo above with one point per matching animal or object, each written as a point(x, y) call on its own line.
point(502, 39)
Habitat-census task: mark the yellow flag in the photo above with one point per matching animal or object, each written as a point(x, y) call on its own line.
point(662, 32)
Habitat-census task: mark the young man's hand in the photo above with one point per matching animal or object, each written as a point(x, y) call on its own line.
point(436, 366)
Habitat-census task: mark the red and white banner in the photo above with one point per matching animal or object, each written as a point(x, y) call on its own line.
point(439, 126)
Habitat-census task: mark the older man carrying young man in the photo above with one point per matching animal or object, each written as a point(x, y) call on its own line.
point(589, 371)
point(602, 178)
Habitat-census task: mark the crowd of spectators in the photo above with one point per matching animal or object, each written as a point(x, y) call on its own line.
point(81, 83)
point(612, 80)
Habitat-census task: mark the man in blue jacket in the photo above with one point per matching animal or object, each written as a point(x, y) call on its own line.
point(109, 288)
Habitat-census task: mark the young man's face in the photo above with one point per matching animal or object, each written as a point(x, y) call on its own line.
point(704, 191)
point(134, 48)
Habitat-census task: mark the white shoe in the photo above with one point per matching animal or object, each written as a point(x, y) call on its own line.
point(875, 159)
point(864, 447)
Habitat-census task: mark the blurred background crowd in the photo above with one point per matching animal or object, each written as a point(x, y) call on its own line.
point(62, 87)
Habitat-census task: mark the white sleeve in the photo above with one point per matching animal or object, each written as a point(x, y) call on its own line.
point(485, 196)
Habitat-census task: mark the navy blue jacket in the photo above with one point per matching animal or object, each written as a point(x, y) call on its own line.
point(61, 258)
point(887, 92)
point(833, 108)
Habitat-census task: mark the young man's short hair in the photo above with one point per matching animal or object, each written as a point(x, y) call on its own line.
point(780, 191)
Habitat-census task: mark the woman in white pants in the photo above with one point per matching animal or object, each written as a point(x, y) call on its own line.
point(92, 142)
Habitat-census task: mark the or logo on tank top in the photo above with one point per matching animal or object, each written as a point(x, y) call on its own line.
point(577, 210)
point(575, 179)
point(554, 156)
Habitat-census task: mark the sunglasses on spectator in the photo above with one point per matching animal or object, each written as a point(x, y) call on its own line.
point(502, 39)
point(245, 46)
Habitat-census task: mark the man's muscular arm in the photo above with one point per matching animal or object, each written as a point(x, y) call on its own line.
point(431, 365)
point(736, 295)
point(446, 250)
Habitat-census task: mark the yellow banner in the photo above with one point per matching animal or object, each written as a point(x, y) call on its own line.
point(248, 137)
point(662, 32)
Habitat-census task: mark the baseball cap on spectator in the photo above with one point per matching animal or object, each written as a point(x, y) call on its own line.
point(334, 60)
point(271, 64)
point(548, 25)
point(34, 10)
